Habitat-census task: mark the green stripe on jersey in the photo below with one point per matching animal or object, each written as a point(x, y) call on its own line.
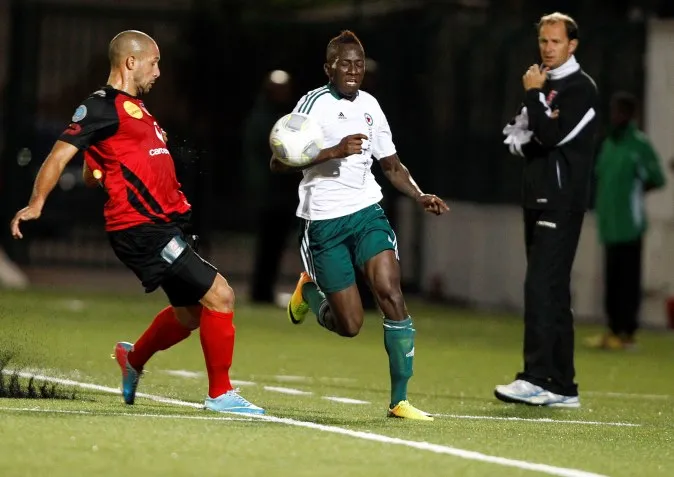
point(310, 96)
point(310, 104)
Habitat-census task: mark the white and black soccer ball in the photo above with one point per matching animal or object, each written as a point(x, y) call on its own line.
point(296, 139)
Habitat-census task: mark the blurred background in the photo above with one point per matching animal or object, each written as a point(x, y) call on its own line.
point(446, 72)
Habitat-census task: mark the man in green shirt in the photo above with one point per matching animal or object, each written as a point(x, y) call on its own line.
point(626, 168)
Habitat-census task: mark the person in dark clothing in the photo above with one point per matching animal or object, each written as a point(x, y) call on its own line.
point(273, 196)
point(555, 133)
point(627, 167)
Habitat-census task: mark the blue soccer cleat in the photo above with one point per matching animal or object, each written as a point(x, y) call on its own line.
point(231, 401)
point(130, 376)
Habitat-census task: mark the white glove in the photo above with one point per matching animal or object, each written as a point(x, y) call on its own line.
point(517, 133)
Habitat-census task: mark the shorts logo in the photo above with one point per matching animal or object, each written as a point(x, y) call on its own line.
point(173, 249)
point(368, 119)
point(80, 113)
point(132, 109)
point(545, 223)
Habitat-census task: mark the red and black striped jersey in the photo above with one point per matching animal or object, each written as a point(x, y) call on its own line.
point(123, 140)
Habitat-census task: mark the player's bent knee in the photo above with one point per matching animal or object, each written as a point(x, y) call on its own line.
point(350, 330)
point(349, 327)
point(188, 316)
point(220, 297)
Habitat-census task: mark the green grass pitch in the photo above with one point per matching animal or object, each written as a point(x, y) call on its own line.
point(325, 397)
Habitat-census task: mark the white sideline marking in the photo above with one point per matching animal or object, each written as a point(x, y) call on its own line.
point(629, 395)
point(541, 419)
point(338, 380)
point(237, 382)
point(369, 436)
point(345, 400)
point(291, 379)
point(105, 389)
point(183, 373)
point(125, 414)
point(281, 378)
point(294, 392)
point(74, 305)
point(285, 378)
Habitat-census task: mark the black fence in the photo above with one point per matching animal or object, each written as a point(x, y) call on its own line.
point(448, 78)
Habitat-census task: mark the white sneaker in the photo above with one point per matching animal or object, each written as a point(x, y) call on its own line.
point(521, 391)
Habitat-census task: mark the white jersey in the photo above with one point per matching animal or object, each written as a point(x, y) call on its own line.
point(343, 186)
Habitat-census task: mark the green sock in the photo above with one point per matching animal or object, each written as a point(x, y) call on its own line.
point(399, 343)
point(313, 296)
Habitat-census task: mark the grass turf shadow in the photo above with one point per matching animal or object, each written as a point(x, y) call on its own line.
point(11, 385)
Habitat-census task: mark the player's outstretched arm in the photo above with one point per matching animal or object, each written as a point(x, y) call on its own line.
point(46, 180)
point(396, 172)
point(348, 146)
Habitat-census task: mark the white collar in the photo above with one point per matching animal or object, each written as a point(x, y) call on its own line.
point(569, 67)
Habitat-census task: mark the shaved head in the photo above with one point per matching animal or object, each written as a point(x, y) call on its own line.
point(129, 43)
point(134, 62)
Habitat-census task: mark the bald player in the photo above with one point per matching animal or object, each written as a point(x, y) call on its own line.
point(146, 215)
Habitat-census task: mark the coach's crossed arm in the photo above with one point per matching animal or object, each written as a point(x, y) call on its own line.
point(574, 109)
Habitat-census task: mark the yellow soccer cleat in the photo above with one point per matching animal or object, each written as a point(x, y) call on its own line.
point(297, 306)
point(607, 341)
point(406, 411)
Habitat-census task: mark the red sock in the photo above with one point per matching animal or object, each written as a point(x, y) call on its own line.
point(217, 341)
point(164, 332)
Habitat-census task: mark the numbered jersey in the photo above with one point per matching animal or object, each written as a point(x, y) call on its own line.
point(343, 186)
point(122, 139)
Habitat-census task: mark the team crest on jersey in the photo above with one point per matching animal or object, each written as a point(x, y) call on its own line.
point(132, 109)
point(80, 113)
point(368, 119)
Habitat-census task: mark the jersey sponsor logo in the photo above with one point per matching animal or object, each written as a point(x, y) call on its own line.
point(341, 116)
point(80, 113)
point(73, 129)
point(157, 151)
point(368, 119)
point(132, 109)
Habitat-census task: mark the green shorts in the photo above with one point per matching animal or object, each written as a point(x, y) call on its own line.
point(331, 248)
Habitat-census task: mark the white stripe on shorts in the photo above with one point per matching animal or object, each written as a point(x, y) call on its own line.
point(305, 253)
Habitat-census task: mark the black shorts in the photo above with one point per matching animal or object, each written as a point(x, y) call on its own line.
point(160, 256)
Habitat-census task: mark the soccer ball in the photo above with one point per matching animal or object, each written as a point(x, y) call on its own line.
point(296, 139)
